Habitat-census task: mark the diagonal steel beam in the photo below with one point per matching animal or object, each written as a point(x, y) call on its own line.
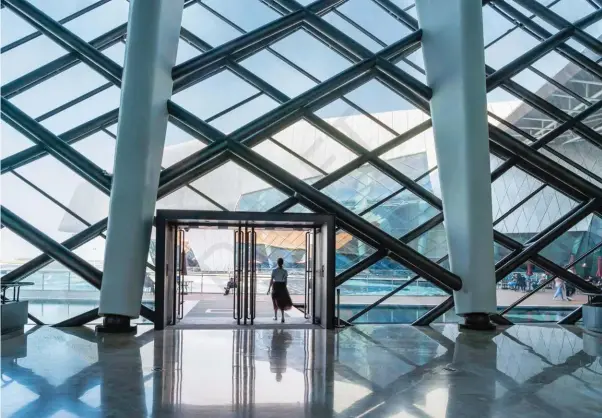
point(33, 78)
point(525, 60)
point(64, 20)
point(72, 136)
point(560, 23)
point(46, 244)
point(412, 258)
point(56, 147)
point(549, 137)
point(55, 31)
point(285, 24)
point(43, 260)
point(567, 51)
point(532, 157)
point(57, 251)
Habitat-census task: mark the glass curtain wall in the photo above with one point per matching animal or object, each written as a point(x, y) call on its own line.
point(356, 131)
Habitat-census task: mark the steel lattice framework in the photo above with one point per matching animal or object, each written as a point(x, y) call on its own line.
point(524, 143)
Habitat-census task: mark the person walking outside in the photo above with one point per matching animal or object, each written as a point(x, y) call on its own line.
point(559, 285)
point(280, 297)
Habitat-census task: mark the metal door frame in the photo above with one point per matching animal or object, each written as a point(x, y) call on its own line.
point(169, 221)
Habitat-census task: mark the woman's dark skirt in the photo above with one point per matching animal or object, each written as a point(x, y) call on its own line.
point(280, 297)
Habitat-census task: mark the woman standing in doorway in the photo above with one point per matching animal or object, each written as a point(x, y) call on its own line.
point(280, 297)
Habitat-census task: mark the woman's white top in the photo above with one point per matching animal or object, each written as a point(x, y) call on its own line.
point(279, 275)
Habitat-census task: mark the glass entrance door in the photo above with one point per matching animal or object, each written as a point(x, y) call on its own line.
point(245, 276)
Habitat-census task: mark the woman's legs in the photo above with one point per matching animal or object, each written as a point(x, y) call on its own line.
point(559, 293)
point(282, 312)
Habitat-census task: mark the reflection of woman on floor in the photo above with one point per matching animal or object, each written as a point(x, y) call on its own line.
point(280, 297)
point(281, 340)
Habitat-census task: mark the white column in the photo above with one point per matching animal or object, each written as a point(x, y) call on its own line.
point(452, 44)
point(150, 53)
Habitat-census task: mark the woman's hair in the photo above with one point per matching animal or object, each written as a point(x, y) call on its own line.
point(280, 262)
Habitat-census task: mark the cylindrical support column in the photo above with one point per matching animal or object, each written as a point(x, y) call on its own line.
point(152, 41)
point(452, 44)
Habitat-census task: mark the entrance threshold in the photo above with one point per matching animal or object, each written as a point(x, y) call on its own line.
point(248, 303)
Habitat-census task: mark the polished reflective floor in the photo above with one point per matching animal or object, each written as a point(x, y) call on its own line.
point(365, 371)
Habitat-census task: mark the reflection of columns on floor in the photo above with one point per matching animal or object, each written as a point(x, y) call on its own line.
point(322, 363)
point(152, 41)
point(475, 358)
point(121, 388)
point(452, 43)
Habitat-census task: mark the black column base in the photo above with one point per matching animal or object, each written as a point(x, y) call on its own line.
point(116, 324)
point(477, 322)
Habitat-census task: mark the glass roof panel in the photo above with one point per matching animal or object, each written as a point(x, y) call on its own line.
point(374, 19)
point(220, 92)
point(311, 55)
point(253, 15)
point(277, 73)
point(315, 146)
point(100, 20)
point(207, 26)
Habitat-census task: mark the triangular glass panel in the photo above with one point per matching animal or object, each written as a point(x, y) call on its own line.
point(298, 208)
point(431, 244)
point(245, 113)
point(58, 90)
point(509, 47)
point(244, 191)
point(401, 214)
point(510, 189)
point(12, 140)
point(220, 92)
point(575, 243)
point(253, 15)
point(186, 51)
point(84, 111)
point(374, 20)
point(583, 153)
point(98, 148)
point(28, 204)
point(536, 214)
point(430, 181)
point(207, 26)
point(116, 53)
point(570, 75)
point(315, 146)
point(362, 188)
point(518, 113)
point(413, 64)
point(564, 100)
point(415, 156)
point(15, 251)
point(68, 188)
point(276, 72)
point(178, 145)
point(275, 152)
point(94, 253)
point(311, 55)
point(372, 115)
point(187, 197)
point(100, 20)
point(29, 56)
point(350, 250)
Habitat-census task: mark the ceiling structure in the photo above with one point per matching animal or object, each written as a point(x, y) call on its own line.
point(242, 77)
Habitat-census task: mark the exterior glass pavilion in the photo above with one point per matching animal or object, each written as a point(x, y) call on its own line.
point(368, 145)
